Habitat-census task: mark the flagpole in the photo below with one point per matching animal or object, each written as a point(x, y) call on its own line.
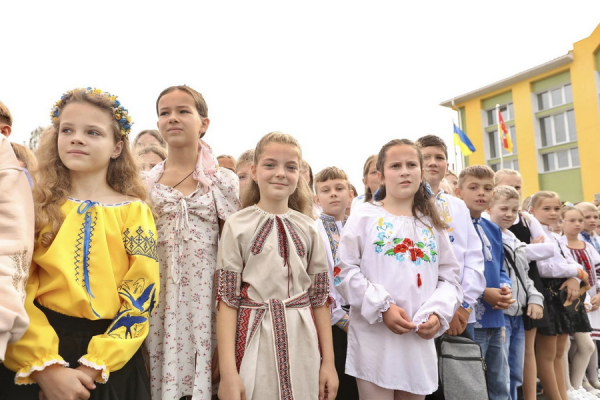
point(456, 152)
point(455, 147)
point(500, 147)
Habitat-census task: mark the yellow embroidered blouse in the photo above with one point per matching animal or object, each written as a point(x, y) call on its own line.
point(101, 265)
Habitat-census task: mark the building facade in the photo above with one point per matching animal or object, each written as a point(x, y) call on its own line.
point(553, 114)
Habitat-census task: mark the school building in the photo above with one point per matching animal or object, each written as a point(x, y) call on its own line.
point(553, 114)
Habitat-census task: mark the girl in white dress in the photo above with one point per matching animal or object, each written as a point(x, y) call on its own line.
point(273, 319)
point(399, 273)
point(191, 197)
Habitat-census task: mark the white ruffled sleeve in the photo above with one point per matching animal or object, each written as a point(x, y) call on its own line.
point(448, 295)
point(369, 298)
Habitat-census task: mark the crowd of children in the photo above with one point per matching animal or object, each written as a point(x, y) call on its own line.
point(156, 270)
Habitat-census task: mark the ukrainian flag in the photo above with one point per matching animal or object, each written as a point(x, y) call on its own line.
point(461, 140)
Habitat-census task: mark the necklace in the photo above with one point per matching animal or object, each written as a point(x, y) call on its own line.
point(187, 176)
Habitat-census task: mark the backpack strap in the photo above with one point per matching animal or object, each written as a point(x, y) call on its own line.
point(508, 256)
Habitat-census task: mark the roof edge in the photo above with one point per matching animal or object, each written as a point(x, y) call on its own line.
point(540, 69)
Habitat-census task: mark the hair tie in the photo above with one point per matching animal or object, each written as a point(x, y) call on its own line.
point(428, 192)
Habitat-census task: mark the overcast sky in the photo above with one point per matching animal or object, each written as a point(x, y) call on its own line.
point(344, 77)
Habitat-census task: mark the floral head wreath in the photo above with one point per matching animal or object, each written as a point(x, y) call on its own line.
point(120, 113)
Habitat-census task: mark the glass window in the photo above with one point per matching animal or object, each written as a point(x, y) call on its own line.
point(504, 112)
point(515, 165)
point(574, 157)
point(492, 140)
point(511, 111)
point(559, 128)
point(495, 167)
point(546, 128)
point(571, 125)
point(568, 94)
point(491, 115)
point(548, 160)
point(543, 102)
point(557, 97)
point(563, 158)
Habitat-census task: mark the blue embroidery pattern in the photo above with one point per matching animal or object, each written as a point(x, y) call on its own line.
point(140, 244)
point(142, 299)
point(84, 243)
point(402, 249)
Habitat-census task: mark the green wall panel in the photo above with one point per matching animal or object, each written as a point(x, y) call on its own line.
point(551, 82)
point(499, 99)
point(566, 183)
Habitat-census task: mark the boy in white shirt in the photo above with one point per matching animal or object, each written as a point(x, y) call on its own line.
point(465, 242)
point(332, 195)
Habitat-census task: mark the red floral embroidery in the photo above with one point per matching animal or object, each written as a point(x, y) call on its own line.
point(400, 248)
point(336, 271)
point(408, 242)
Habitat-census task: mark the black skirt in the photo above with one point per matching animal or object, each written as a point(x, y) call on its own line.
point(74, 335)
point(543, 322)
point(560, 321)
point(347, 389)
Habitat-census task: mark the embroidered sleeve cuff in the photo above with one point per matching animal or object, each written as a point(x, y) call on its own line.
point(91, 362)
point(467, 307)
point(320, 293)
point(23, 376)
point(227, 287)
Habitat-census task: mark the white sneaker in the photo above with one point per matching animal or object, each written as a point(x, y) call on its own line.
point(572, 394)
point(583, 394)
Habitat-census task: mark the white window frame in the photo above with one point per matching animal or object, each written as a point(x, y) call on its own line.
point(550, 101)
point(506, 115)
point(555, 157)
point(508, 164)
point(569, 139)
point(497, 142)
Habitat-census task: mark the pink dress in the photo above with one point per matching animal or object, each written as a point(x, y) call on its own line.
point(182, 334)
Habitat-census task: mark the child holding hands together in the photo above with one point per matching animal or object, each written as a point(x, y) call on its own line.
point(400, 276)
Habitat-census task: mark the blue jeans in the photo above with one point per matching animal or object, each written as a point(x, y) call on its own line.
point(492, 347)
point(515, 349)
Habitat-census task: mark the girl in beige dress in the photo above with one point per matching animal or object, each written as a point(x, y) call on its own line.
point(273, 287)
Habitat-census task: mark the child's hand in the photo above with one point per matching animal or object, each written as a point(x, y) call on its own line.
point(397, 320)
point(595, 302)
point(59, 383)
point(459, 322)
point(572, 287)
point(232, 388)
point(535, 311)
point(428, 329)
point(328, 382)
point(500, 299)
point(539, 239)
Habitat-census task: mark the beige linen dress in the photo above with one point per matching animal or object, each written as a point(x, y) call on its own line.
point(273, 268)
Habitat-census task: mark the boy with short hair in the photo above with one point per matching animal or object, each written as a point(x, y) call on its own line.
point(528, 300)
point(476, 188)
point(332, 194)
point(465, 242)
